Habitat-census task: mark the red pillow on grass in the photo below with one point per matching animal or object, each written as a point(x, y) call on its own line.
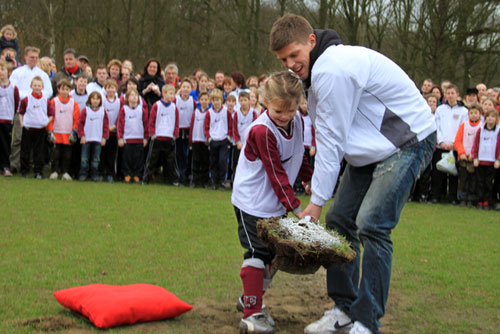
point(114, 305)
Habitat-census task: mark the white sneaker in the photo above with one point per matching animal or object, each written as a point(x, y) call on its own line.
point(333, 321)
point(359, 328)
point(66, 177)
point(53, 176)
point(256, 324)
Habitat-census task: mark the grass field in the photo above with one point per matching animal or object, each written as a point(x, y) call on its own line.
point(55, 235)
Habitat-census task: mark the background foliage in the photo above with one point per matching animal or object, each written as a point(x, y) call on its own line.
point(442, 39)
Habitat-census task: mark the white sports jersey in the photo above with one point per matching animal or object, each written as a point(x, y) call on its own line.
point(94, 123)
point(243, 124)
point(63, 116)
point(165, 120)
point(198, 134)
point(112, 109)
point(81, 100)
point(252, 190)
point(488, 144)
point(134, 127)
point(186, 109)
point(7, 102)
point(36, 113)
point(219, 124)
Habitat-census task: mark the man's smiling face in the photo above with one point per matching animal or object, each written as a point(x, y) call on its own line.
point(295, 56)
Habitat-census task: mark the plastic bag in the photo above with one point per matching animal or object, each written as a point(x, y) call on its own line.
point(447, 163)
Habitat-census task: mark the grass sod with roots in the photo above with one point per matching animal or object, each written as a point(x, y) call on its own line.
point(57, 235)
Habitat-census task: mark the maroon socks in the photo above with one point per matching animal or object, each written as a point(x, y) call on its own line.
point(253, 283)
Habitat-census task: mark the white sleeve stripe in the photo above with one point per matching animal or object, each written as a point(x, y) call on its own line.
point(274, 172)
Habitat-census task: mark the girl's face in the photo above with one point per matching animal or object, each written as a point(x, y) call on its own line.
point(228, 88)
point(487, 106)
point(114, 71)
point(211, 85)
point(491, 120)
point(203, 83)
point(95, 100)
point(8, 34)
point(152, 68)
point(133, 99)
point(253, 99)
point(185, 89)
point(131, 85)
point(125, 74)
point(303, 106)
point(470, 99)
point(281, 114)
point(88, 71)
point(437, 92)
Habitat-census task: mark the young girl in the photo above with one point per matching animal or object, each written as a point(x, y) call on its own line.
point(132, 136)
point(432, 101)
point(488, 105)
point(254, 101)
point(486, 153)
point(93, 130)
point(9, 39)
point(275, 136)
point(202, 87)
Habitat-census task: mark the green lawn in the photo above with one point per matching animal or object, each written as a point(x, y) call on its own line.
point(55, 235)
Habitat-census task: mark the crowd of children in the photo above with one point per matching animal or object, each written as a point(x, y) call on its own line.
point(469, 128)
point(138, 127)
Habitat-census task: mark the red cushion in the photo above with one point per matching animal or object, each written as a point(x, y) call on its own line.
point(113, 305)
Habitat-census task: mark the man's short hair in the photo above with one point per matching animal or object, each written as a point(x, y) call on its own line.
point(101, 67)
point(70, 51)
point(172, 66)
point(452, 86)
point(244, 94)
point(110, 82)
point(31, 49)
point(288, 29)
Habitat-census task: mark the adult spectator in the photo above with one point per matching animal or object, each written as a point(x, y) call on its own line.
point(21, 77)
point(481, 88)
point(69, 71)
point(368, 111)
point(238, 83)
point(426, 86)
point(172, 75)
point(9, 55)
point(151, 82)
point(219, 80)
point(83, 62)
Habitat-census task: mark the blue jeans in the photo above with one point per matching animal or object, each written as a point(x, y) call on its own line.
point(92, 150)
point(367, 206)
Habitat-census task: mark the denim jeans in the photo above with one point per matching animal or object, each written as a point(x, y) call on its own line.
point(93, 151)
point(367, 207)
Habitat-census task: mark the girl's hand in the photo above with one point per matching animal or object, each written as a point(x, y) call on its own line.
point(145, 141)
point(496, 164)
point(476, 163)
point(121, 142)
point(103, 142)
point(83, 141)
point(312, 151)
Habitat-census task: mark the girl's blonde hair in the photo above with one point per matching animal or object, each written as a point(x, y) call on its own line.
point(130, 92)
point(284, 87)
point(8, 27)
point(45, 65)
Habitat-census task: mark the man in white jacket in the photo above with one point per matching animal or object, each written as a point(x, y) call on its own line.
point(367, 110)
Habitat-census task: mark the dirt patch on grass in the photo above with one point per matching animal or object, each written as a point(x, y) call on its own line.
point(293, 301)
point(52, 324)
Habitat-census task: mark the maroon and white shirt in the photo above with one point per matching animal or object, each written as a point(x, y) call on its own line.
point(133, 124)
point(196, 131)
point(218, 124)
point(36, 111)
point(486, 146)
point(186, 109)
point(112, 109)
point(268, 167)
point(241, 125)
point(9, 102)
point(93, 124)
point(164, 121)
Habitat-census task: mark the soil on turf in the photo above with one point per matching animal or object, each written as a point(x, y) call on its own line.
point(293, 301)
